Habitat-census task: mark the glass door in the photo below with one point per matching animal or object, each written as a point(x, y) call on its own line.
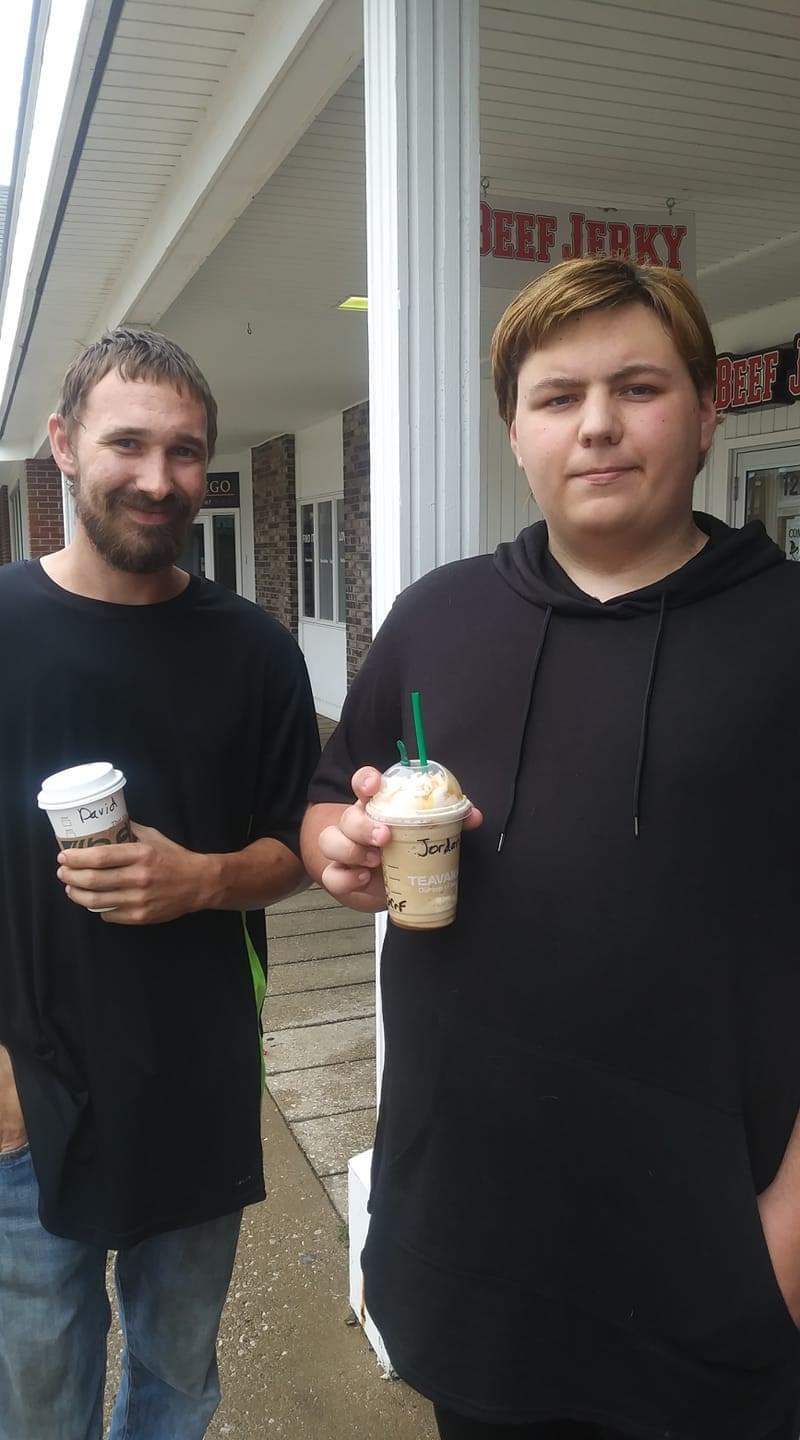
point(213, 548)
point(198, 551)
point(767, 488)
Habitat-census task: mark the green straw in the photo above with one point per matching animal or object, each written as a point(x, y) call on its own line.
point(422, 749)
point(404, 760)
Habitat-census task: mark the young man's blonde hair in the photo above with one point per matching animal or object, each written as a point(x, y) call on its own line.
point(577, 287)
point(136, 355)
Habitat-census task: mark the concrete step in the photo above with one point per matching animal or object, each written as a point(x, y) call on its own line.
point(313, 1045)
point(330, 1141)
point(321, 974)
point(319, 1007)
point(318, 918)
point(286, 949)
point(336, 1188)
point(324, 1090)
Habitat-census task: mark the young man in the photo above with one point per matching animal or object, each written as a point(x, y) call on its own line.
point(130, 1066)
point(586, 1190)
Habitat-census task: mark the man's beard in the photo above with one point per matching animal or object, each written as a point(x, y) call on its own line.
point(136, 549)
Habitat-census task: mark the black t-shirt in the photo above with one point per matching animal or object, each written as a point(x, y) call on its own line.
point(136, 1049)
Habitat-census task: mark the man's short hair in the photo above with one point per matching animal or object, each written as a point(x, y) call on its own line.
point(578, 287)
point(137, 355)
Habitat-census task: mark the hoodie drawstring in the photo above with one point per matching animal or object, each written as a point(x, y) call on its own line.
point(521, 744)
point(637, 784)
point(643, 731)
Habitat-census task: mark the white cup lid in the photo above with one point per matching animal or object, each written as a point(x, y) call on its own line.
point(79, 785)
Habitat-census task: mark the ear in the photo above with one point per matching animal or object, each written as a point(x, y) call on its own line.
point(60, 445)
point(708, 420)
point(512, 437)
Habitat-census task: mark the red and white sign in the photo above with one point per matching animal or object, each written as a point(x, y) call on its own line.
point(764, 377)
point(519, 241)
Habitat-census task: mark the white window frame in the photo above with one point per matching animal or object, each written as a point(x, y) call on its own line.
point(337, 560)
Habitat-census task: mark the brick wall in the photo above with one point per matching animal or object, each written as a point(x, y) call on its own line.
point(275, 529)
point(45, 513)
point(5, 527)
point(357, 561)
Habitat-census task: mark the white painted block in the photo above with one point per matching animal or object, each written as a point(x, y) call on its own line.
point(358, 1172)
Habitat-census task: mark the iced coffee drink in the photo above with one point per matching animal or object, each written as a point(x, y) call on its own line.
point(425, 807)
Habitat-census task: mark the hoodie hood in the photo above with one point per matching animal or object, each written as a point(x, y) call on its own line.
point(527, 566)
point(731, 556)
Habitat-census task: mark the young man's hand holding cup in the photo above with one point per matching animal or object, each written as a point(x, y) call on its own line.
point(352, 847)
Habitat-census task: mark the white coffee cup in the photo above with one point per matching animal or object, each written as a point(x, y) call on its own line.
point(86, 807)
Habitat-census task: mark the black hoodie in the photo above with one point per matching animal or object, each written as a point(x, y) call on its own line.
point(593, 1073)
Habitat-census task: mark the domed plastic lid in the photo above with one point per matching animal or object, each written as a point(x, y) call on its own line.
point(414, 792)
point(80, 785)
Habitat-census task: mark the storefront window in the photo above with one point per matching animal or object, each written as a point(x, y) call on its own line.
point(307, 549)
point(773, 497)
point(340, 554)
point(325, 524)
point(322, 559)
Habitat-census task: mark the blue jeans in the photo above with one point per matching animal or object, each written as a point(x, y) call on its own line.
point(55, 1316)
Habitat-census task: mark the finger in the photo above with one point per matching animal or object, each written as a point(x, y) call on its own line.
point(474, 819)
point(340, 849)
point(100, 857)
point(99, 899)
point(103, 880)
point(357, 888)
point(366, 782)
point(357, 825)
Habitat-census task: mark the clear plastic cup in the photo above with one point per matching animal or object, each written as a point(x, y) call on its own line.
point(425, 809)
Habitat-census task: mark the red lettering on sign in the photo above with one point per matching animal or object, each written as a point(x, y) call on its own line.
point(674, 236)
point(548, 230)
point(793, 383)
point(771, 362)
point(526, 241)
point(644, 238)
point(486, 228)
point(739, 382)
point(574, 250)
point(503, 242)
point(595, 237)
point(724, 393)
point(755, 378)
point(619, 239)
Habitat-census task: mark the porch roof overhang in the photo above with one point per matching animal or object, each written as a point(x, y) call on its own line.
point(195, 107)
point(242, 247)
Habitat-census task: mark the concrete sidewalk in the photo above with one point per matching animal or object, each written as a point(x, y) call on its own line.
point(319, 1031)
point(290, 1364)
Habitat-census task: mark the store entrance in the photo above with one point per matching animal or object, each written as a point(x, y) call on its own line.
point(767, 488)
point(213, 549)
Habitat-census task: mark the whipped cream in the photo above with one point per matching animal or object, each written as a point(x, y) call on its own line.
point(408, 791)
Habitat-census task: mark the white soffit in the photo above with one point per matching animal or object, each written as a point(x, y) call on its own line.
point(581, 101)
point(260, 315)
point(610, 104)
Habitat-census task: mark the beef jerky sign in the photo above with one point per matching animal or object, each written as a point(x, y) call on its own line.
point(763, 377)
point(520, 239)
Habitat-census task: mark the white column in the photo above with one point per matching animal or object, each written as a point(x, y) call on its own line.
point(423, 282)
point(423, 194)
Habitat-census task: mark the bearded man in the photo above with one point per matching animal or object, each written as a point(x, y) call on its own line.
point(130, 1063)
